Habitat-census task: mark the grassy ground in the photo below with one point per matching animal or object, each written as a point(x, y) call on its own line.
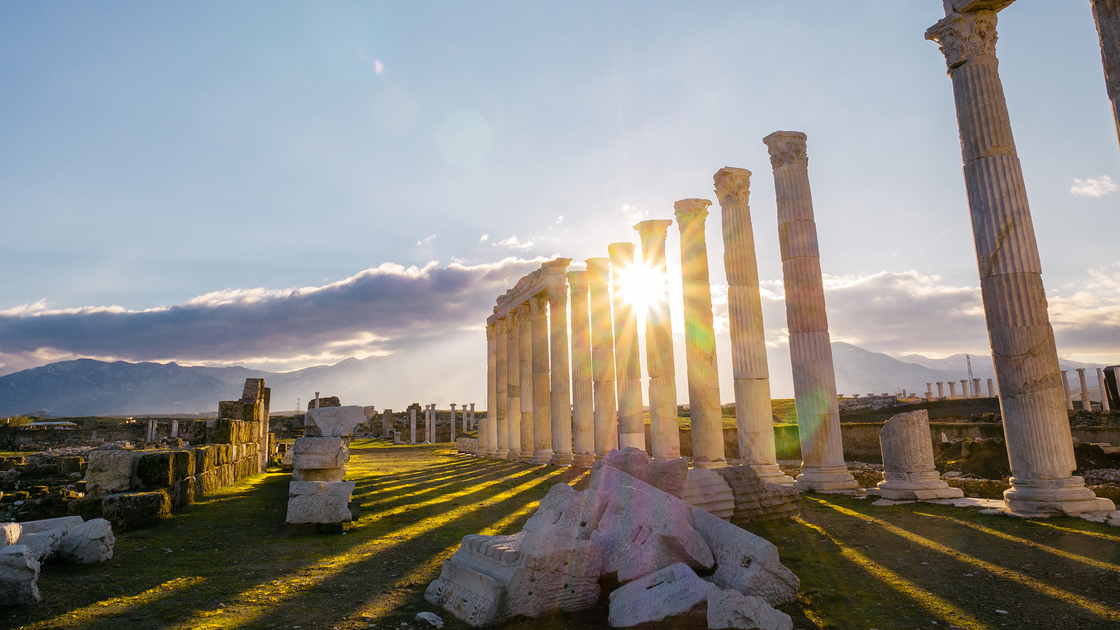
point(230, 562)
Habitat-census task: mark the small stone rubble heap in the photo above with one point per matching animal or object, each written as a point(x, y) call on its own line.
point(319, 499)
point(24, 547)
point(671, 558)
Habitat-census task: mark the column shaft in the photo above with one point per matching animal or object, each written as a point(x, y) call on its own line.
point(602, 356)
point(583, 418)
point(1039, 442)
point(1107, 15)
point(510, 440)
point(1066, 390)
point(814, 377)
point(665, 433)
point(628, 370)
point(561, 383)
point(521, 438)
point(1104, 392)
point(542, 386)
point(484, 439)
point(1085, 403)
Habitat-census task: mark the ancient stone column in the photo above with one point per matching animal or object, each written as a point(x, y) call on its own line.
point(387, 423)
point(1104, 393)
point(952, 389)
point(561, 383)
point(602, 356)
point(1039, 442)
point(1086, 404)
point(754, 417)
point(627, 364)
point(542, 393)
point(484, 441)
point(991, 389)
point(411, 424)
point(929, 390)
point(1107, 15)
point(1066, 390)
point(908, 470)
point(175, 421)
point(700, 337)
point(316, 400)
point(964, 388)
point(665, 433)
point(583, 416)
point(976, 388)
point(814, 378)
point(521, 435)
point(453, 422)
point(498, 447)
point(940, 389)
point(474, 422)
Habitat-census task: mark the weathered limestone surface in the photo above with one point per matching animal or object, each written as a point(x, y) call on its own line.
point(66, 523)
point(746, 563)
point(319, 474)
point(333, 421)
point(667, 475)
point(488, 428)
point(708, 490)
point(499, 449)
point(320, 452)
point(560, 412)
point(814, 377)
point(665, 434)
point(9, 533)
point(1107, 15)
point(19, 576)
point(1101, 388)
point(542, 392)
point(319, 501)
point(1085, 403)
point(1039, 442)
point(757, 500)
point(699, 337)
point(753, 412)
point(583, 400)
point(602, 356)
point(42, 544)
point(88, 543)
point(731, 609)
point(521, 431)
point(109, 471)
point(673, 591)
point(628, 372)
point(908, 468)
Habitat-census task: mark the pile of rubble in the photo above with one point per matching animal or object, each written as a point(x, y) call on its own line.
point(24, 547)
point(672, 559)
point(318, 498)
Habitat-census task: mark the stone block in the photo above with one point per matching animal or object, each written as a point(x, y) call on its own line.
point(224, 431)
point(706, 489)
point(745, 562)
point(42, 544)
point(109, 471)
point(88, 543)
point(732, 609)
point(673, 591)
point(9, 533)
point(756, 500)
point(333, 421)
point(320, 452)
point(70, 465)
point(19, 576)
point(319, 474)
point(66, 523)
point(566, 513)
point(319, 501)
point(154, 470)
point(85, 507)
point(182, 465)
point(135, 510)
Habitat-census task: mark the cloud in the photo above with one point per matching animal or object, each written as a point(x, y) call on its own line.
point(381, 310)
point(513, 243)
point(485, 237)
point(425, 241)
point(1093, 187)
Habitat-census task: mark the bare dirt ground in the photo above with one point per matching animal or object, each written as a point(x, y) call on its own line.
point(231, 562)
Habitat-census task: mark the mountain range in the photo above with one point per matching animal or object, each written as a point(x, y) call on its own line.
point(85, 387)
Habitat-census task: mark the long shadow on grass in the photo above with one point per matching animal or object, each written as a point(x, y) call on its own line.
point(403, 483)
point(390, 497)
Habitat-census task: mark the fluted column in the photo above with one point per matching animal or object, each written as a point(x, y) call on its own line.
point(1039, 442)
point(940, 389)
point(510, 442)
point(1107, 15)
point(1104, 392)
point(521, 436)
point(1066, 390)
point(561, 383)
point(700, 337)
point(583, 417)
point(602, 356)
point(627, 365)
point(754, 416)
point(1085, 403)
point(542, 387)
point(964, 388)
point(485, 443)
point(499, 445)
point(814, 377)
point(952, 389)
point(665, 433)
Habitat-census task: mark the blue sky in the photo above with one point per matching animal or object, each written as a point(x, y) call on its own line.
point(200, 160)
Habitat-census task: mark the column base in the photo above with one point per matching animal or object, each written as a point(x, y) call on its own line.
point(490, 453)
point(500, 453)
point(719, 463)
point(541, 457)
point(1053, 496)
point(560, 459)
point(513, 455)
point(770, 473)
point(583, 460)
point(825, 479)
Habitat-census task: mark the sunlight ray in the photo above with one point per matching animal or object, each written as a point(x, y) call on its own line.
point(117, 605)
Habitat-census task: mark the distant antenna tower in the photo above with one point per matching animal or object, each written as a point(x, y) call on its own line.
point(968, 360)
point(298, 401)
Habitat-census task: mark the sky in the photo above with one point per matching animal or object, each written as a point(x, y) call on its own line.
point(286, 184)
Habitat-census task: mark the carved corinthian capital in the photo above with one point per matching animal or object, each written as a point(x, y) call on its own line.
point(733, 185)
point(963, 37)
point(689, 210)
point(786, 147)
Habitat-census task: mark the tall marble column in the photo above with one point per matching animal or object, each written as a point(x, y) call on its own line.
point(627, 365)
point(484, 439)
point(542, 393)
point(976, 388)
point(1085, 403)
point(952, 389)
point(1039, 442)
point(583, 416)
point(700, 337)
point(1107, 15)
point(521, 435)
point(466, 421)
point(498, 446)
point(1066, 390)
point(561, 382)
point(940, 389)
point(665, 433)
point(814, 377)
point(754, 416)
point(602, 356)
point(1104, 393)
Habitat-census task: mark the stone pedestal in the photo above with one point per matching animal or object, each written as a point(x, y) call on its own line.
point(814, 378)
point(521, 438)
point(1039, 443)
point(542, 394)
point(583, 403)
point(602, 356)
point(754, 416)
point(665, 434)
point(908, 470)
point(1107, 14)
point(1104, 392)
point(699, 337)
point(560, 383)
point(628, 370)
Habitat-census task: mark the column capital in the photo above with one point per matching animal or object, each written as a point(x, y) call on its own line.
point(965, 36)
point(490, 329)
point(598, 265)
point(556, 266)
point(786, 147)
point(502, 325)
point(557, 291)
point(578, 281)
point(653, 231)
point(690, 210)
point(621, 251)
point(523, 310)
point(733, 185)
point(539, 304)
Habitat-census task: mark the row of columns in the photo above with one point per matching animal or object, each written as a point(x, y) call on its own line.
point(975, 393)
point(1086, 402)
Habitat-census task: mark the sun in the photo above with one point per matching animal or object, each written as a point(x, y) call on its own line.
point(641, 286)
